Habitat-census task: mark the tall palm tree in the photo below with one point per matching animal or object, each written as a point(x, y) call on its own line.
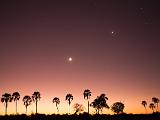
point(87, 94)
point(6, 97)
point(16, 97)
point(156, 101)
point(27, 101)
point(57, 101)
point(152, 106)
point(69, 98)
point(36, 97)
point(144, 103)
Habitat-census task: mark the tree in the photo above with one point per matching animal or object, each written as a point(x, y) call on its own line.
point(152, 106)
point(69, 98)
point(144, 103)
point(6, 97)
point(16, 97)
point(78, 108)
point(99, 103)
point(155, 101)
point(87, 94)
point(117, 107)
point(57, 101)
point(27, 101)
point(36, 96)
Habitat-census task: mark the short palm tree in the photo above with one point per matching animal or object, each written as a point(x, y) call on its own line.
point(57, 101)
point(152, 106)
point(6, 97)
point(16, 97)
point(87, 94)
point(27, 101)
point(156, 102)
point(36, 97)
point(144, 103)
point(69, 98)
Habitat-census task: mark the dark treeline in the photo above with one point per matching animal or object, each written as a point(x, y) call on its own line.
point(99, 103)
point(84, 116)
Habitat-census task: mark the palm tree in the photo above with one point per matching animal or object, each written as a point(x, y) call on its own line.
point(6, 97)
point(144, 103)
point(87, 94)
point(117, 107)
point(16, 97)
point(57, 101)
point(152, 106)
point(155, 101)
point(27, 101)
point(36, 97)
point(99, 103)
point(69, 98)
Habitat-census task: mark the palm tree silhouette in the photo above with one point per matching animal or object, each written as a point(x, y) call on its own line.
point(69, 98)
point(99, 103)
point(36, 97)
point(87, 94)
point(155, 101)
point(117, 107)
point(6, 97)
point(152, 106)
point(144, 103)
point(27, 101)
point(16, 97)
point(57, 101)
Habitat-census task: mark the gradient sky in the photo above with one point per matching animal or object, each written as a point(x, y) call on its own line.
point(114, 44)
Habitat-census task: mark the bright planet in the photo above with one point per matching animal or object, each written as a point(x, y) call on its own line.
point(70, 59)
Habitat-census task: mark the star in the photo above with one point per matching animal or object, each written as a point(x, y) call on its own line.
point(112, 32)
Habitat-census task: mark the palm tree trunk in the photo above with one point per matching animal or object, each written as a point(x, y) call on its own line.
point(57, 108)
point(153, 110)
point(26, 109)
point(69, 109)
point(36, 106)
point(6, 108)
point(88, 106)
point(16, 106)
point(145, 109)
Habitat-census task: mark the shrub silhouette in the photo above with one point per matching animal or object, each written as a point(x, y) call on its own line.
point(78, 108)
point(117, 107)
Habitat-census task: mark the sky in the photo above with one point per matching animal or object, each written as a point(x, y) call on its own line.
point(114, 46)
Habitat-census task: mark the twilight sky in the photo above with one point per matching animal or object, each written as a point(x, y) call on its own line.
point(114, 44)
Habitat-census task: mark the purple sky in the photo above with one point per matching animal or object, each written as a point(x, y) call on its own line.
point(114, 45)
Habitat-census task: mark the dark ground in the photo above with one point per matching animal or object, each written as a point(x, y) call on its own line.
point(83, 117)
